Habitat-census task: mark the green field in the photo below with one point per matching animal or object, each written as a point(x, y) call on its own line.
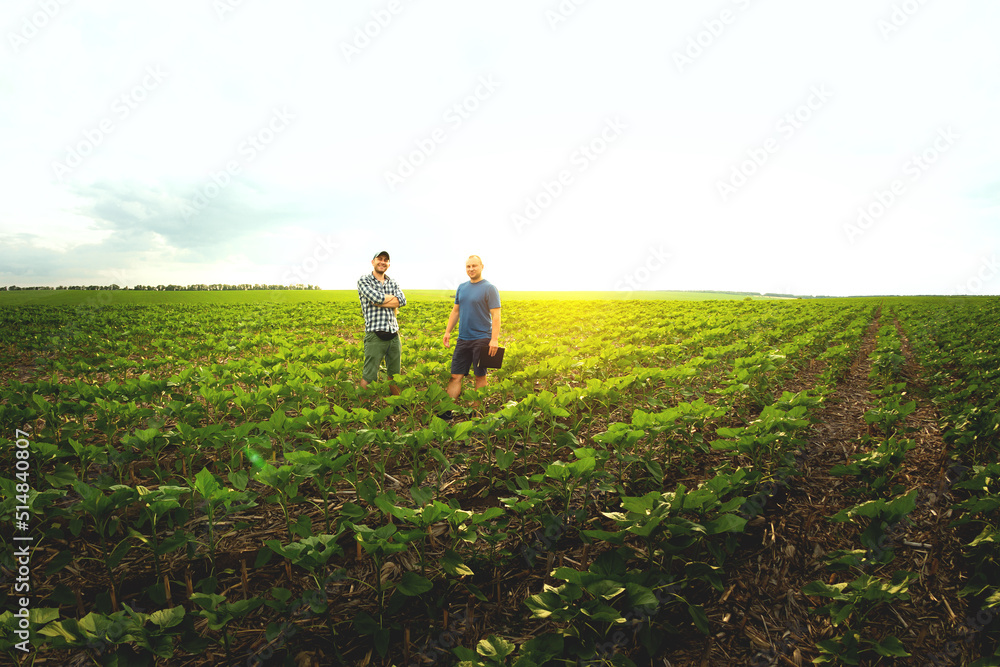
point(132, 297)
point(199, 480)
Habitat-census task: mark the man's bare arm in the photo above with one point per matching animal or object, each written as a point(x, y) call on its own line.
point(452, 320)
point(495, 333)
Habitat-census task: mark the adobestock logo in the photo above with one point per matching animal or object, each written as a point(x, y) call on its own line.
point(224, 7)
point(32, 25)
point(988, 269)
point(371, 30)
point(324, 249)
point(582, 158)
point(454, 116)
point(655, 261)
point(712, 30)
point(786, 127)
point(914, 168)
point(562, 12)
point(122, 107)
point(899, 17)
point(248, 151)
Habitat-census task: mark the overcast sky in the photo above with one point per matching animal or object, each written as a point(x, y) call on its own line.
point(750, 145)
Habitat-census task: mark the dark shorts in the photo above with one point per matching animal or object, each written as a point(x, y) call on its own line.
point(467, 354)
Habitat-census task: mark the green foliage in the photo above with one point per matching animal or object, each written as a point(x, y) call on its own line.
point(887, 357)
point(161, 505)
point(149, 636)
point(983, 551)
point(878, 468)
point(850, 603)
point(881, 515)
point(105, 512)
point(671, 524)
point(218, 500)
point(490, 652)
point(219, 613)
point(156, 428)
point(608, 597)
point(890, 411)
point(766, 439)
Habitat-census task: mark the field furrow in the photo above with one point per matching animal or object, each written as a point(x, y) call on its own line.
point(704, 483)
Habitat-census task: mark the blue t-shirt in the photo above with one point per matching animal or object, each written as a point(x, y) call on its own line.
point(474, 303)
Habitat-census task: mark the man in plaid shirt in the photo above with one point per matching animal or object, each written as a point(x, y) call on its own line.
point(380, 301)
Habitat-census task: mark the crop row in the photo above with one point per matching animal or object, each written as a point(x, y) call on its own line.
point(956, 344)
point(869, 584)
point(160, 474)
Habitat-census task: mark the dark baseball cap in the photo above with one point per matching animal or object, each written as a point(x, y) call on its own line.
point(380, 254)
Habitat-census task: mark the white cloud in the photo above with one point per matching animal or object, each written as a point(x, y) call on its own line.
point(352, 120)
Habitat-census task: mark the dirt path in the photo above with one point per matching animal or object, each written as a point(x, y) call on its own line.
point(764, 619)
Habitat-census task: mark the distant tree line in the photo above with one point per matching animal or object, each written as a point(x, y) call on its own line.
point(217, 287)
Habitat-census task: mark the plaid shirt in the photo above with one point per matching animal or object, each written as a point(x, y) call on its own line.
point(372, 292)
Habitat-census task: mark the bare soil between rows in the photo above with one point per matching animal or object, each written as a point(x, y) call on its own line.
point(763, 618)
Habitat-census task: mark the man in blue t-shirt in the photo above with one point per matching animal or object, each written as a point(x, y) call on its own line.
point(477, 304)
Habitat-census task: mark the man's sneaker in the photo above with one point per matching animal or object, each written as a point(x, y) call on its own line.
point(447, 415)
